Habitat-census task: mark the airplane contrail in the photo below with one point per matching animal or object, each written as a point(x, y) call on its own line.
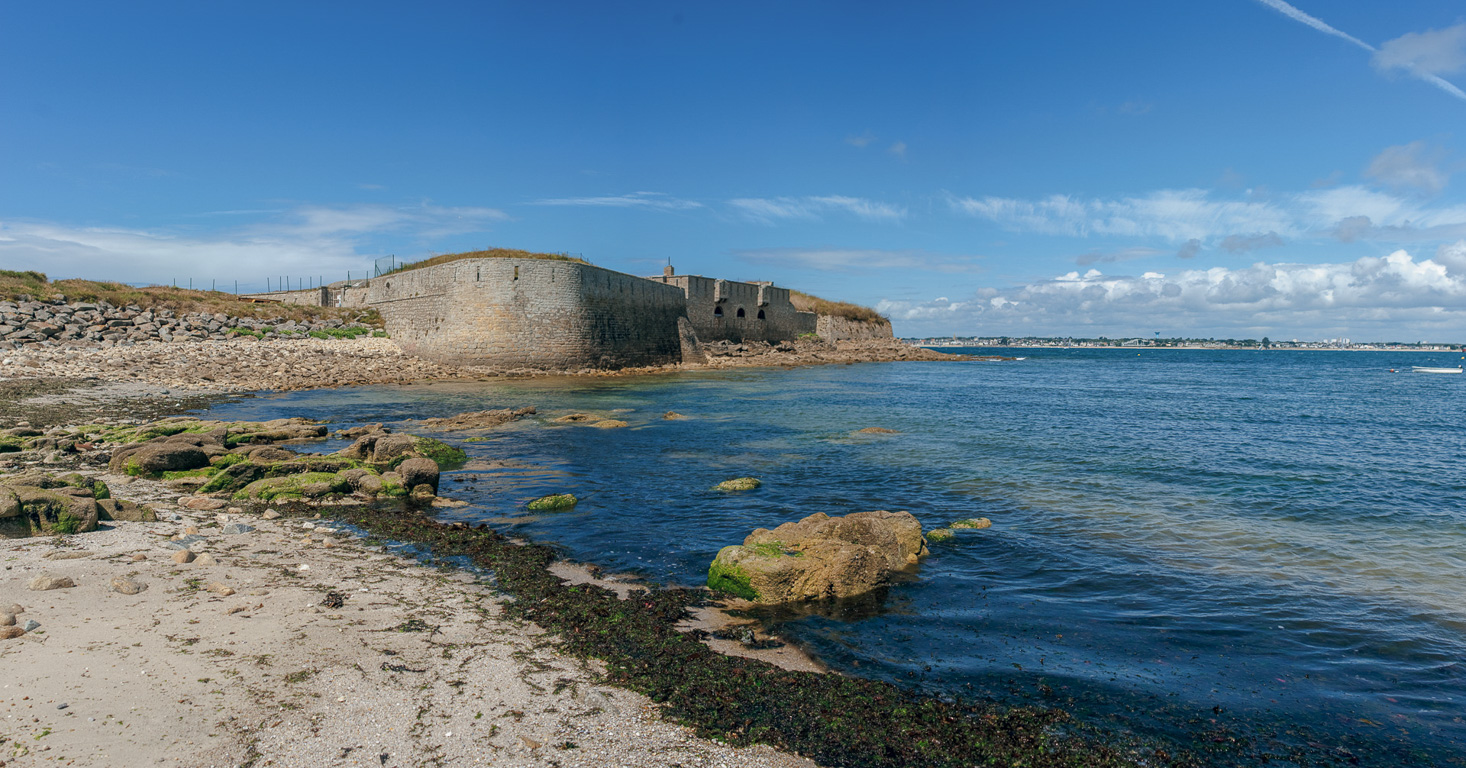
point(1323, 26)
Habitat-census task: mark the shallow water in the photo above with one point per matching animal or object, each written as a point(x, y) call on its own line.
point(1189, 544)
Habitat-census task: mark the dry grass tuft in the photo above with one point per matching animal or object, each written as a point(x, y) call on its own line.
point(807, 303)
point(490, 253)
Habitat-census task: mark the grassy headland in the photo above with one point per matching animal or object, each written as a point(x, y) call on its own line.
point(805, 302)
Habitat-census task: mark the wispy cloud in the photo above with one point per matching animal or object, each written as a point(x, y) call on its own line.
point(1110, 257)
point(898, 149)
point(1423, 55)
point(1416, 166)
point(1247, 243)
point(648, 200)
point(1175, 215)
point(776, 209)
point(859, 259)
point(1182, 216)
point(1396, 294)
point(315, 239)
point(862, 140)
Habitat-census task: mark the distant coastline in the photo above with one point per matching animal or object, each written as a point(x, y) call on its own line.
point(1253, 346)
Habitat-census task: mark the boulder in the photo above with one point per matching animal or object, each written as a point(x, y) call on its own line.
point(266, 453)
point(819, 557)
point(126, 511)
point(49, 581)
point(361, 450)
point(388, 447)
point(174, 453)
point(46, 511)
point(419, 471)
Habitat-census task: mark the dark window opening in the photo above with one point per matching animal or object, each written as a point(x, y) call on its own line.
point(516, 273)
point(717, 311)
point(761, 314)
point(740, 311)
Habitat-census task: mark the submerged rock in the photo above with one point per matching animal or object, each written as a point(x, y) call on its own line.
point(557, 502)
point(974, 523)
point(819, 557)
point(739, 484)
point(877, 431)
point(940, 535)
point(480, 419)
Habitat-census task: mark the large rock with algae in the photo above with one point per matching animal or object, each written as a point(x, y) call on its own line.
point(819, 557)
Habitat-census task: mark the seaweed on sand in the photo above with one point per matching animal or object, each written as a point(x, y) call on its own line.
point(834, 719)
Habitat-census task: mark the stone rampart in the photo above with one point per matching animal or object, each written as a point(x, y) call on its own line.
point(530, 313)
point(333, 295)
point(833, 328)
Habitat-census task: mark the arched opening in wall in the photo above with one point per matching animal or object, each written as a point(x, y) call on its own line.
point(761, 314)
point(740, 311)
point(717, 311)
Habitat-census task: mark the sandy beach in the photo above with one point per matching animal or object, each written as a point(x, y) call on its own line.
point(300, 644)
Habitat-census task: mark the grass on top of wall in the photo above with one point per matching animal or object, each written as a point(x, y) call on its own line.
point(16, 286)
point(806, 303)
point(490, 253)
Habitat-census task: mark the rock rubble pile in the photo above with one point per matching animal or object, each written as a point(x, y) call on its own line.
point(45, 323)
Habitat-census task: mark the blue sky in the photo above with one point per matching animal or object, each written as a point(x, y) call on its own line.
point(1228, 168)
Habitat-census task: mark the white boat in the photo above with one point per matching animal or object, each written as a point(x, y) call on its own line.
point(1423, 369)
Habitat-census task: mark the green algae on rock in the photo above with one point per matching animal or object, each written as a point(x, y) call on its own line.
point(940, 535)
point(974, 523)
point(556, 502)
point(739, 484)
point(819, 557)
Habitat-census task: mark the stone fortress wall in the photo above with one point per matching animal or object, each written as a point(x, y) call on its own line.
point(728, 310)
point(529, 313)
point(506, 312)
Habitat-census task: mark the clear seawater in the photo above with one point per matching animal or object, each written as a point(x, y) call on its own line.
point(1187, 545)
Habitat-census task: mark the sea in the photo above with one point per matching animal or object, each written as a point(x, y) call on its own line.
point(1258, 554)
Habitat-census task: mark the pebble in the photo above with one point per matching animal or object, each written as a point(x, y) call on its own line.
point(205, 559)
point(139, 557)
point(62, 705)
point(13, 608)
point(126, 586)
point(7, 619)
point(220, 588)
point(49, 581)
point(9, 633)
point(234, 528)
point(31, 625)
point(271, 514)
point(182, 556)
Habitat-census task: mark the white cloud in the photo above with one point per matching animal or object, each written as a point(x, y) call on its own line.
point(862, 140)
point(1175, 215)
point(856, 259)
point(649, 200)
point(1183, 216)
point(323, 241)
point(898, 149)
point(1390, 295)
point(772, 210)
point(1433, 52)
point(1422, 54)
point(1411, 166)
